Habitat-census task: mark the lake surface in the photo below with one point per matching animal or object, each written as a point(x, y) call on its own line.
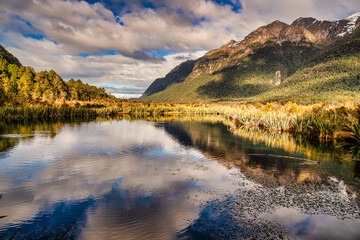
point(172, 179)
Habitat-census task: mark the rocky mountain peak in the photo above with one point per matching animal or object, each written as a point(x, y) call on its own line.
point(304, 21)
point(265, 33)
point(304, 29)
point(276, 26)
point(273, 45)
point(232, 43)
point(352, 24)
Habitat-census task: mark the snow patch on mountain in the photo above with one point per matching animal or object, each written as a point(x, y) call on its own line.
point(354, 17)
point(350, 25)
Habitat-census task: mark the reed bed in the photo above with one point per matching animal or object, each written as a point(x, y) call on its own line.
point(43, 112)
point(324, 121)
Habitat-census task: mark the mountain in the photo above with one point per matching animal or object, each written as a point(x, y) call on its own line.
point(20, 85)
point(177, 75)
point(4, 54)
point(308, 60)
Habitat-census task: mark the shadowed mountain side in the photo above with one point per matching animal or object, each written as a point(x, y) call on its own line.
point(177, 75)
point(177, 133)
point(4, 54)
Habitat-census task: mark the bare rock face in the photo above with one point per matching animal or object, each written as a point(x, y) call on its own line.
point(357, 24)
point(277, 80)
point(260, 35)
point(303, 31)
point(263, 34)
point(322, 31)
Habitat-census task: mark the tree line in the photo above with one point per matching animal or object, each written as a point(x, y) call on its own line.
point(22, 85)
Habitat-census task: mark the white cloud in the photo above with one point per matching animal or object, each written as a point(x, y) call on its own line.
point(288, 11)
point(72, 27)
point(82, 27)
point(107, 70)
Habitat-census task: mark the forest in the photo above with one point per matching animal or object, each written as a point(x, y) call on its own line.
point(23, 86)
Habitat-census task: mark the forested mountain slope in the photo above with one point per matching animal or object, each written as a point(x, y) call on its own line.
point(20, 85)
point(309, 60)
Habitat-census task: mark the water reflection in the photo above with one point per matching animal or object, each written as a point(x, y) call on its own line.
point(293, 175)
point(93, 169)
point(126, 179)
point(270, 154)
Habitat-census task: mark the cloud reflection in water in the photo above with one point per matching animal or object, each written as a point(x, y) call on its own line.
point(136, 180)
point(134, 173)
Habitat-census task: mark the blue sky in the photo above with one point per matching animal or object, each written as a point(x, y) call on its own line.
point(118, 7)
point(125, 44)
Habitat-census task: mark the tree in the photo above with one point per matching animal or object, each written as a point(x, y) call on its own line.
point(26, 83)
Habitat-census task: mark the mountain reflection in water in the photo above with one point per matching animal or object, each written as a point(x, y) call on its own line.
point(186, 179)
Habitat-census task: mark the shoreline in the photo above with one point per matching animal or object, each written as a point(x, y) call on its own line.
point(326, 122)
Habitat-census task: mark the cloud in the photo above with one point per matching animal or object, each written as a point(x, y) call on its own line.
point(288, 11)
point(85, 27)
point(185, 25)
point(103, 71)
point(130, 90)
point(88, 28)
point(56, 34)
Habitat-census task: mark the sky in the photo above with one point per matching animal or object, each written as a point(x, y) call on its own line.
point(124, 45)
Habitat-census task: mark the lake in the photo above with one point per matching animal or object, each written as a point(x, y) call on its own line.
point(175, 178)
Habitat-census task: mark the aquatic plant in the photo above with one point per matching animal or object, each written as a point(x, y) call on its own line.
point(354, 132)
point(323, 121)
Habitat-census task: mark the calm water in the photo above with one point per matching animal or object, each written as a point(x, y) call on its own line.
point(178, 179)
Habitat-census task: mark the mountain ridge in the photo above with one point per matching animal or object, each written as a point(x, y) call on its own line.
point(176, 75)
point(4, 54)
point(283, 49)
